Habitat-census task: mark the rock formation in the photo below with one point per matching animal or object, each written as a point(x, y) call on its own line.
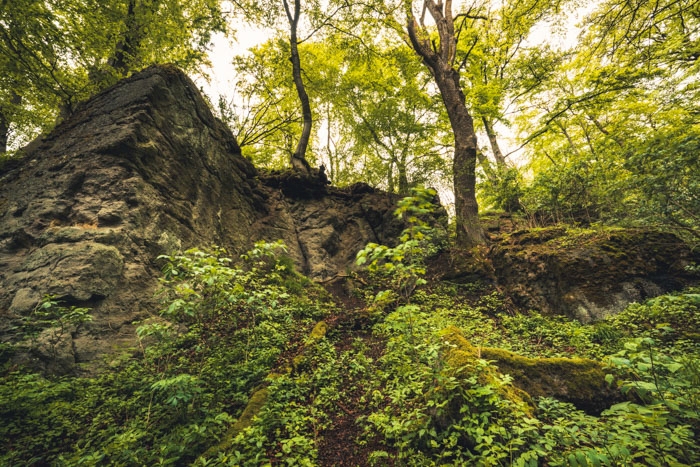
point(145, 169)
point(589, 274)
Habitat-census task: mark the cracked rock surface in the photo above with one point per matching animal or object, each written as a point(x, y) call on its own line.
point(145, 169)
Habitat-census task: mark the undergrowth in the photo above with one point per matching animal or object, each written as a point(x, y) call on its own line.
point(233, 333)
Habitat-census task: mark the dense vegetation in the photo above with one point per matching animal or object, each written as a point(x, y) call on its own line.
point(606, 124)
point(250, 363)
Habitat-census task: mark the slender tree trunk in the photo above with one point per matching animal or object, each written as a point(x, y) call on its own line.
point(298, 158)
point(5, 121)
point(390, 177)
point(493, 140)
point(4, 132)
point(126, 49)
point(329, 141)
point(573, 147)
point(403, 177)
point(440, 60)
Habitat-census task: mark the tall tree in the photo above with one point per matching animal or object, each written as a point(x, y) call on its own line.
point(298, 157)
point(311, 17)
point(439, 55)
point(56, 53)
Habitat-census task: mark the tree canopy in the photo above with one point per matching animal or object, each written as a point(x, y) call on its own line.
point(481, 98)
point(56, 53)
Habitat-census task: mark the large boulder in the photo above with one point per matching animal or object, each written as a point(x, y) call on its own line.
point(589, 274)
point(145, 169)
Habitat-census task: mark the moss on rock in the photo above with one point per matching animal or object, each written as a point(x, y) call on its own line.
point(576, 380)
point(589, 274)
point(464, 360)
point(255, 403)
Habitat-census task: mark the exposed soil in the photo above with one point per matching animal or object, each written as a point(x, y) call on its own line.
point(339, 444)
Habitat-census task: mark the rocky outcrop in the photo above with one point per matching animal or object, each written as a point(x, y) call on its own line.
point(579, 381)
point(589, 274)
point(324, 228)
point(576, 380)
point(144, 169)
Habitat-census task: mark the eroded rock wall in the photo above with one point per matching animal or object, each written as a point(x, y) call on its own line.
point(589, 274)
point(144, 169)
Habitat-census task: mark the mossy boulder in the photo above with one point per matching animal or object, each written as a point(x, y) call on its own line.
point(465, 360)
point(575, 380)
point(588, 274)
point(579, 381)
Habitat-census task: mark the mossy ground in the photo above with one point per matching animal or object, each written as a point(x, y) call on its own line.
point(454, 376)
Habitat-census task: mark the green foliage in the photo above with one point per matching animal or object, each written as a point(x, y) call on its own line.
point(671, 320)
point(502, 191)
point(50, 324)
point(297, 410)
point(403, 265)
point(56, 53)
point(222, 329)
point(656, 430)
point(664, 171)
point(427, 410)
point(232, 373)
point(612, 140)
point(661, 382)
point(377, 123)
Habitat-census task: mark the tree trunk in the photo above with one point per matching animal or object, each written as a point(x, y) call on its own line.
point(126, 49)
point(4, 132)
point(298, 158)
point(5, 121)
point(469, 231)
point(390, 177)
point(493, 140)
point(439, 58)
point(332, 164)
point(403, 177)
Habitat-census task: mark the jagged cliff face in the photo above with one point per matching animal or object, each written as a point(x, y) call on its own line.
point(144, 169)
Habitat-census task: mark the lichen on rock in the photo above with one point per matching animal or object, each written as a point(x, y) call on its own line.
point(588, 274)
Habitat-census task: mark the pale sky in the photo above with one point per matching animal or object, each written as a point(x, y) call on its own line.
point(223, 50)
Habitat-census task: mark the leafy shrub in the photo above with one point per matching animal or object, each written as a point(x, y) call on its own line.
point(403, 266)
point(222, 329)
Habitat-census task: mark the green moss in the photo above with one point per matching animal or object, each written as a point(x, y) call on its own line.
point(318, 332)
point(299, 362)
point(464, 359)
point(576, 380)
point(255, 403)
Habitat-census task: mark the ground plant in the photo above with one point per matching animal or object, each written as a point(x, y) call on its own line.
point(248, 363)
